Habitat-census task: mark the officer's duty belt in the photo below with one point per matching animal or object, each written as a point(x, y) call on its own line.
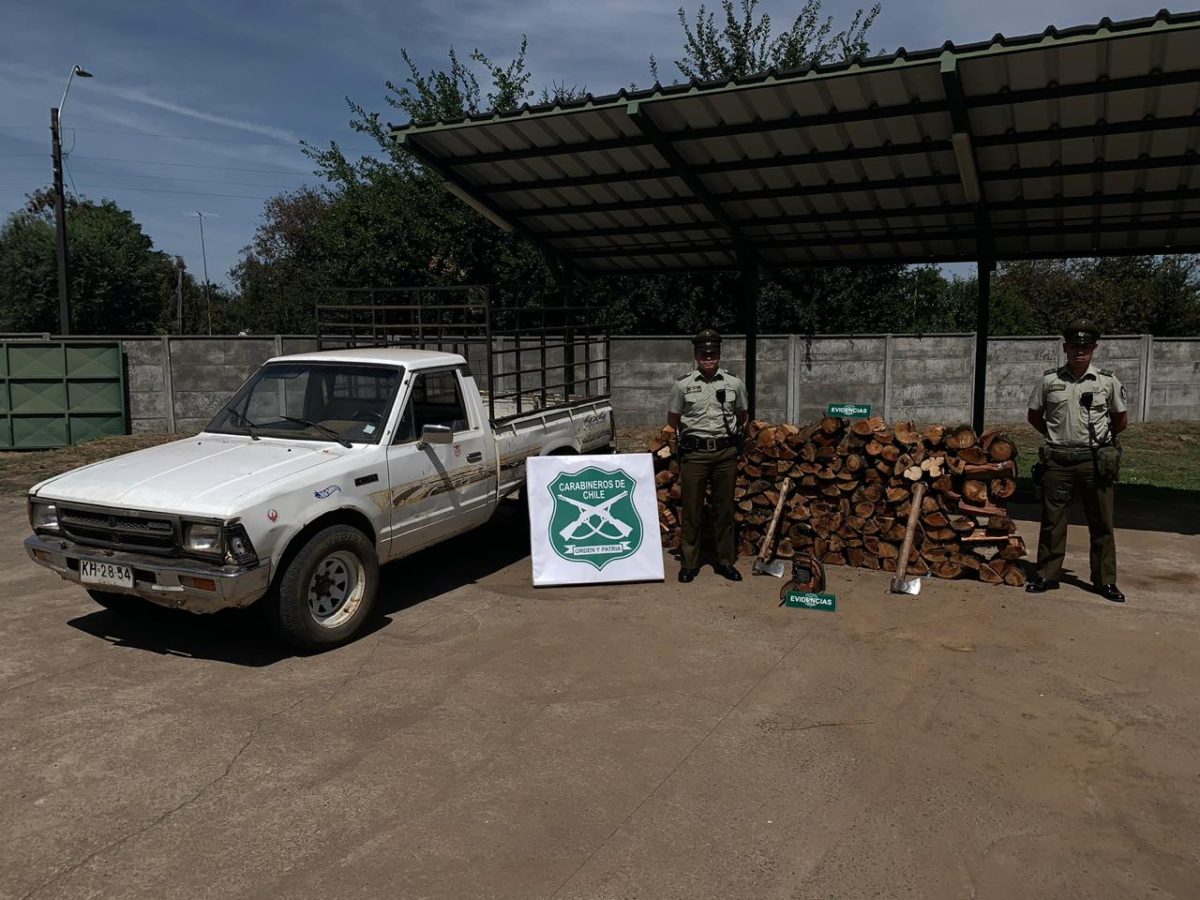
point(695, 442)
point(1069, 454)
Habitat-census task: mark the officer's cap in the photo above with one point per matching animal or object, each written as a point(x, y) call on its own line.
point(1082, 333)
point(708, 339)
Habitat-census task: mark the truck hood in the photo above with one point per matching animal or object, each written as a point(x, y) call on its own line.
point(210, 475)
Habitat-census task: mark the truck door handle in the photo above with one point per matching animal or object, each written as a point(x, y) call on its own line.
point(477, 456)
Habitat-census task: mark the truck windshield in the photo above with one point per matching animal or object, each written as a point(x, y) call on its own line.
point(312, 401)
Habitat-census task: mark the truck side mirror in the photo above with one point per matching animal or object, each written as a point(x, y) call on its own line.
point(435, 434)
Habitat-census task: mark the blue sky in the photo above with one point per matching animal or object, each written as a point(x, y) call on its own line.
point(201, 104)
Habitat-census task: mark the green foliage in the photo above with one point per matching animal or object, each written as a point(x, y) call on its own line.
point(119, 283)
point(1123, 295)
point(743, 43)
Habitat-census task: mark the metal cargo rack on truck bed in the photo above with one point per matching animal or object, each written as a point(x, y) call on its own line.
point(537, 357)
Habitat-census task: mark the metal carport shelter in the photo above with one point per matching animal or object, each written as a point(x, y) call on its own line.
point(1069, 143)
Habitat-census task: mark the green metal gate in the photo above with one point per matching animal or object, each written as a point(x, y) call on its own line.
point(56, 393)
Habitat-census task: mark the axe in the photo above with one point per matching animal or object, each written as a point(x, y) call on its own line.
point(763, 564)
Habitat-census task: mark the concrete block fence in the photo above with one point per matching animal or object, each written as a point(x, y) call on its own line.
point(176, 384)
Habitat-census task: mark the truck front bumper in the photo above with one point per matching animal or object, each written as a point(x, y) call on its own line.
point(177, 583)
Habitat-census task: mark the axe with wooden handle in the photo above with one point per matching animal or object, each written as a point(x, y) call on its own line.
point(763, 564)
point(901, 585)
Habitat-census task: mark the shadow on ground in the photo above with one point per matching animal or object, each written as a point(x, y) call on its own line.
point(1138, 506)
point(240, 636)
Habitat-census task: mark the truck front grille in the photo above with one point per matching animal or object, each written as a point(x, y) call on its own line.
point(118, 530)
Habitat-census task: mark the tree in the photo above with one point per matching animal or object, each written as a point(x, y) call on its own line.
point(744, 44)
point(119, 283)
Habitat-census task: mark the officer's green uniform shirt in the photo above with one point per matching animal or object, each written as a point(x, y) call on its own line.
point(701, 414)
point(1057, 397)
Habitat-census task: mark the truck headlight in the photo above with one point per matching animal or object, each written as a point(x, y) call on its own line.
point(201, 538)
point(43, 516)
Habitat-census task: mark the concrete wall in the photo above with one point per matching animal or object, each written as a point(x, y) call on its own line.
point(1174, 377)
point(177, 383)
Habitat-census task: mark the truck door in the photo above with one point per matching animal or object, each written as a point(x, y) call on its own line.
point(438, 489)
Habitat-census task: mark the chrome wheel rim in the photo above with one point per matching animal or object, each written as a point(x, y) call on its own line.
point(336, 589)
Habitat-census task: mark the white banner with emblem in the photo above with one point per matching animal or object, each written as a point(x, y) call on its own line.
point(593, 519)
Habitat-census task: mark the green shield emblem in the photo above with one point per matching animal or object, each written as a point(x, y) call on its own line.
point(595, 520)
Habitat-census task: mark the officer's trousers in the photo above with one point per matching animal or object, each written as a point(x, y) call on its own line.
point(1059, 485)
point(699, 470)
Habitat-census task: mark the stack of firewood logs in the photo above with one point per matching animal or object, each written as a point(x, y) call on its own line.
point(852, 490)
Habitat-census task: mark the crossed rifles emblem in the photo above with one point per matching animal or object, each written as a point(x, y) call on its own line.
point(589, 515)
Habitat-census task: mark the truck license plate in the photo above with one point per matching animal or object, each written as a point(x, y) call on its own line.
point(112, 574)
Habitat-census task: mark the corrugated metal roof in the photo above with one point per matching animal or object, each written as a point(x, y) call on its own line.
point(1073, 142)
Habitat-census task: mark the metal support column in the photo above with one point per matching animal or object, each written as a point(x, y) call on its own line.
point(982, 311)
point(748, 297)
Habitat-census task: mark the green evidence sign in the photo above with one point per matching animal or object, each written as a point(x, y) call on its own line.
point(853, 410)
point(804, 600)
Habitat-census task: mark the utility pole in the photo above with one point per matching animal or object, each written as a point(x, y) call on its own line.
point(204, 257)
point(179, 267)
point(60, 205)
point(60, 227)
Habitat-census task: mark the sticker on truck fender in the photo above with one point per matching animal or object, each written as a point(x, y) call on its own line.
point(326, 492)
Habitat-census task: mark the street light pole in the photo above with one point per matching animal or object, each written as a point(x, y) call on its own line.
point(60, 228)
point(60, 206)
point(204, 257)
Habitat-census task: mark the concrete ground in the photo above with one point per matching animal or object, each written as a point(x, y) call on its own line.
point(645, 741)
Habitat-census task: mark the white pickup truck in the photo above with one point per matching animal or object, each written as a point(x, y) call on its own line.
point(319, 469)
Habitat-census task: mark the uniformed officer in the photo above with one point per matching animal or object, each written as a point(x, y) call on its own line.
point(708, 411)
point(1080, 409)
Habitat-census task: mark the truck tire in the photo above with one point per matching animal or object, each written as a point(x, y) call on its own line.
point(326, 594)
point(123, 604)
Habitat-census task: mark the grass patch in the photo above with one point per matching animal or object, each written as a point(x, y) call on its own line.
point(1156, 454)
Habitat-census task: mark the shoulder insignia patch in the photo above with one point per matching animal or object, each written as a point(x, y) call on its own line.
point(1124, 393)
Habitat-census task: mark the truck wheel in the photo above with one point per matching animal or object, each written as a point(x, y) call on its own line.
point(120, 603)
point(327, 592)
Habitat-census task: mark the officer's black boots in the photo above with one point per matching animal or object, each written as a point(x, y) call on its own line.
point(1111, 592)
point(728, 572)
point(1039, 585)
point(688, 575)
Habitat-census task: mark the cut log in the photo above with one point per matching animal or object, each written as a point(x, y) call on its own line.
point(1001, 525)
point(1015, 576)
point(1014, 549)
point(946, 569)
point(1002, 488)
point(933, 435)
point(982, 471)
point(960, 438)
point(979, 536)
point(966, 560)
point(993, 572)
point(975, 491)
point(831, 425)
point(1001, 449)
point(972, 455)
point(980, 509)
point(961, 523)
point(907, 434)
